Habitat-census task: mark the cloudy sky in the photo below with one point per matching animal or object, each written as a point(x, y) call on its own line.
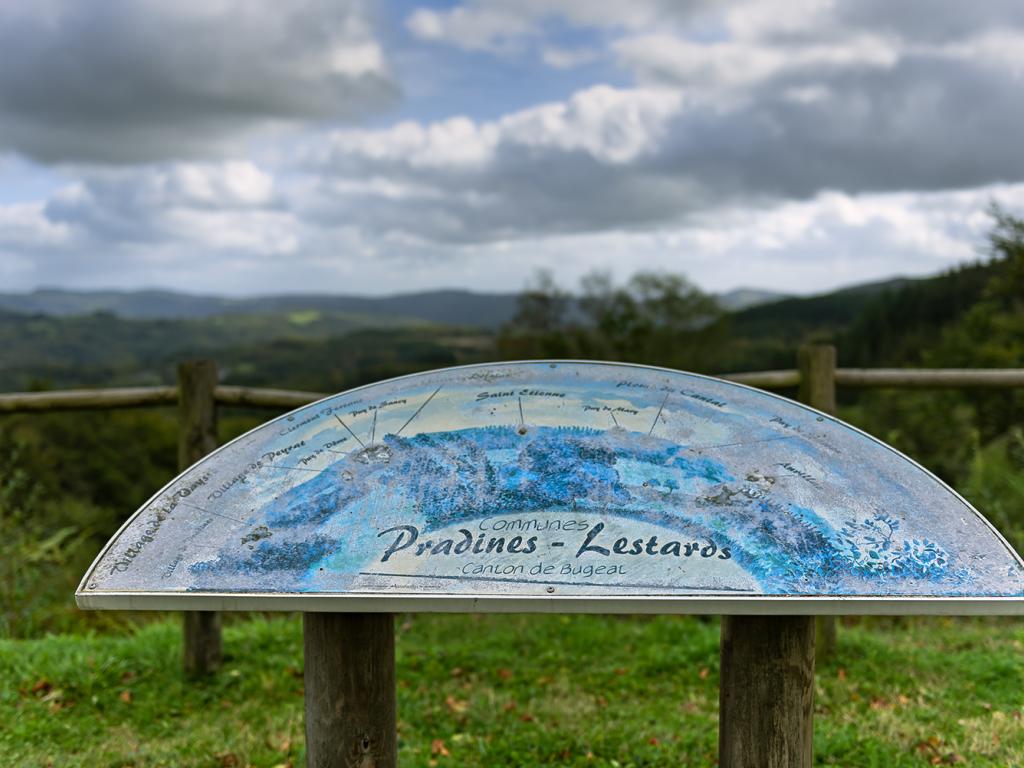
point(237, 147)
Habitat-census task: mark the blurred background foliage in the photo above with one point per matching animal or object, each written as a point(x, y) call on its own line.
point(68, 480)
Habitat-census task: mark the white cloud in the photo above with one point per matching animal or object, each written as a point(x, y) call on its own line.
point(567, 58)
point(231, 205)
point(830, 241)
point(713, 66)
point(496, 25)
point(827, 241)
point(792, 145)
point(26, 225)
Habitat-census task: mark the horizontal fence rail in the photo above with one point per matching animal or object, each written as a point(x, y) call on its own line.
point(930, 378)
point(258, 397)
point(765, 379)
point(255, 397)
point(88, 399)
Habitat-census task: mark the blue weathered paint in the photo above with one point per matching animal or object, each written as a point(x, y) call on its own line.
point(598, 478)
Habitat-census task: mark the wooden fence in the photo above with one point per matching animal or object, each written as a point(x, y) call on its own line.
point(198, 394)
point(255, 397)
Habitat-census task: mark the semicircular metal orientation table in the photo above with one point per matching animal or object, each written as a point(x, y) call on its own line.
point(561, 486)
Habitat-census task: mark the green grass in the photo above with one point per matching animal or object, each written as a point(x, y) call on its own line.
point(513, 690)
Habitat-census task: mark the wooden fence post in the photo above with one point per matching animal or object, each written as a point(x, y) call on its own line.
point(817, 364)
point(766, 692)
point(350, 690)
point(197, 436)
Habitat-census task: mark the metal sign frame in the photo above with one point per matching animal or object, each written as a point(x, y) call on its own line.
point(712, 603)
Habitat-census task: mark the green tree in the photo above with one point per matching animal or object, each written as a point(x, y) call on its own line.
point(654, 318)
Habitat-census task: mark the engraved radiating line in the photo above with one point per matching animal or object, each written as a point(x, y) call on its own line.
point(373, 429)
point(418, 411)
point(296, 469)
point(612, 414)
point(522, 421)
point(566, 583)
point(349, 430)
point(658, 415)
point(211, 512)
point(747, 442)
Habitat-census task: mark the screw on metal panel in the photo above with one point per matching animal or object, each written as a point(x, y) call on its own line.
point(551, 589)
point(92, 586)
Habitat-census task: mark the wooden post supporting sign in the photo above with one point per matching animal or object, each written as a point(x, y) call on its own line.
point(766, 692)
point(197, 436)
point(817, 364)
point(350, 690)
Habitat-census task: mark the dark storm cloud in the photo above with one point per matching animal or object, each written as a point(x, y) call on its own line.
point(928, 20)
point(136, 80)
point(925, 124)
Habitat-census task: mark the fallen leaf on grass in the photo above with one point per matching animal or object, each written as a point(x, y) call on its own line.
point(456, 706)
point(125, 696)
point(505, 674)
point(653, 741)
point(931, 746)
point(704, 672)
point(58, 705)
point(438, 748)
point(526, 717)
point(283, 746)
point(42, 686)
point(228, 760)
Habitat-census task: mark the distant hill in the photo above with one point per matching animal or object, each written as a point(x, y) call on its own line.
point(794, 316)
point(444, 307)
point(101, 348)
point(68, 338)
point(744, 298)
point(882, 323)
